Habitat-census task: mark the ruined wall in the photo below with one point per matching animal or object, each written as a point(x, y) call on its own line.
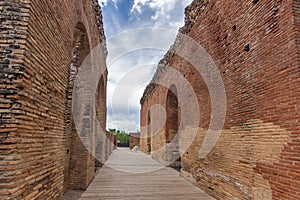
point(134, 140)
point(255, 45)
point(41, 46)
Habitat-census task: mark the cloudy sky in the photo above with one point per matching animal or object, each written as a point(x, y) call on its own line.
point(131, 68)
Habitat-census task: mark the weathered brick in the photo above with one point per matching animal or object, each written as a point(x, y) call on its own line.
point(255, 45)
point(38, 148)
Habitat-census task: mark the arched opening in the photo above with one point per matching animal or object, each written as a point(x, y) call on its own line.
point(172, 114)
point(172, 126)
point(149, 133)
point(101, 150)
point(76, 164)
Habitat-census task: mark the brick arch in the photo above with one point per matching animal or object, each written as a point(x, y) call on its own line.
point(100, 107)
point(172, 114)
point(81, 45)
point(149, 132)
point(100, 99)
point(76, 159)
point(38, 54)
point(172, 152)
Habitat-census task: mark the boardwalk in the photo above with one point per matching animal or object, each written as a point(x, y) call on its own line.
point(133, 175)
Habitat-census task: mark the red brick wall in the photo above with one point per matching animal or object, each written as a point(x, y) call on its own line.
point(36, 140)
point(257, 155)
point(134, 140)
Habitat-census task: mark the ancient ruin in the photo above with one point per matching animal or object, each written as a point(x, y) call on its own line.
point(42, 46)
point(255, 46)
point(249, 49)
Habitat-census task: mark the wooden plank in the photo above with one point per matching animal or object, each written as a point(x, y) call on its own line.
point(133, 175)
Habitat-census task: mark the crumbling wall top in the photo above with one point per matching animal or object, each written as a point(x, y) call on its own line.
point(192, 12)
point(99, 21)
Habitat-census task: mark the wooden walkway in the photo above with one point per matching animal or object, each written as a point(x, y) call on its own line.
point(132, 175)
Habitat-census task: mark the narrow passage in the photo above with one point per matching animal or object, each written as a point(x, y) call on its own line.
point(134, 175)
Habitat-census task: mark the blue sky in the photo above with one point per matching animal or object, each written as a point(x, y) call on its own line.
point(131, 72)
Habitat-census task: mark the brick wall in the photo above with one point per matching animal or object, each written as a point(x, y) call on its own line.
point(134, 140)
point(255, 45)
point(41, 154)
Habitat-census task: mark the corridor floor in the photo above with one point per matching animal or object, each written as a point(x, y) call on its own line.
point(132, 175)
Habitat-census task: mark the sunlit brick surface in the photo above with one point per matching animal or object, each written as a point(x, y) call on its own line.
point(255, 45)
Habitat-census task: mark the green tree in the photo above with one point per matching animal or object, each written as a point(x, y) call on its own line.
point(122, 136)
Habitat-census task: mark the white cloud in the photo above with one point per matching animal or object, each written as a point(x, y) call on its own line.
point(130, 73)
point(163, 8)
point(132, 60)
point(165, 11)
point(105, 2)
point(121, 122)
point(138, 4)
point(115, 3)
